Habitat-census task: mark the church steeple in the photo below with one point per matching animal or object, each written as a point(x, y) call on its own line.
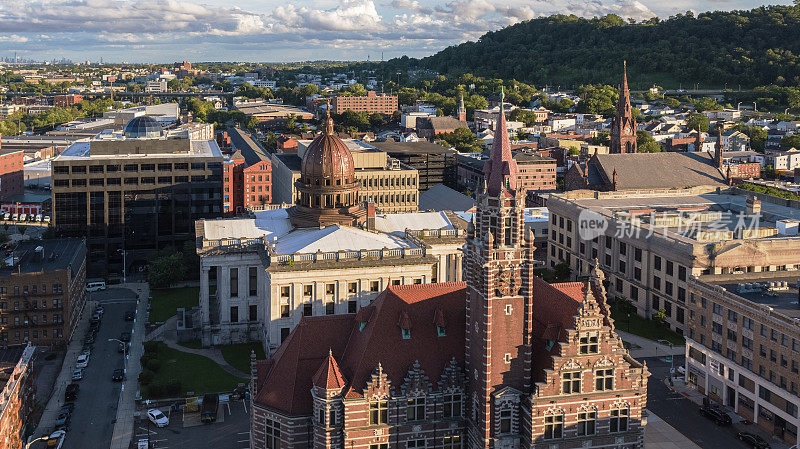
point(500, 170)
point(462, 111)
point(623, 125)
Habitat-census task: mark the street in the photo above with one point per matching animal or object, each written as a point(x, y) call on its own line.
point(230, 431)
point(683, 414)
point(96, 407)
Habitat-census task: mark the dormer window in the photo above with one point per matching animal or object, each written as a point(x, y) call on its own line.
point(588, 344)
point(405, 333)
point(441, 331)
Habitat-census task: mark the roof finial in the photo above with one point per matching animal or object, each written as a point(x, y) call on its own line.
point(502, 99)
point(330, 351)
point(328, 120)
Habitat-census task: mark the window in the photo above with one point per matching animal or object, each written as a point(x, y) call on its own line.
point(352, 306)
point(452, 405)
point(453, 442)
point(619, 420)
point(416, 444)
point(284, 310)
point(307, 309)
point(272, 431)
point(234, 283)
point(415, 409)
point(253, 281)
point(637, 254)
point(330, 308)
point(553, 426)
point(330, 289)
point(747, 323)
point(284, 333)
point(253, 312)
point(571, 382)
point(586, 423)
point(604, 379)
point(588, 344)
point(352, 287)
point(378, 412)
point(505, 421)
point(657, 263)
point(234, 314)
point(733, 316)
point(681, 273)
point(374, 286)
point(285, 292)
point(307, 290)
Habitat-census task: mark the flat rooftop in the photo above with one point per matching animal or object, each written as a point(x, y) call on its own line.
point(55, 254)
point(698, 218)
point(82, 149)
point(421, 147)
point(780, 293)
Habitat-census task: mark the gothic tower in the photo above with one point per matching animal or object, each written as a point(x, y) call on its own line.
point(498, 275)
point(462, 111)
point(623, 125)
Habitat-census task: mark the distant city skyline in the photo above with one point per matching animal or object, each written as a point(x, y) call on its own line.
point(162, 31)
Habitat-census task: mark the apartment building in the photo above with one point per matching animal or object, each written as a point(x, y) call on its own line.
point(42, 291)
point(372, 103)
point(134, 193)
point(743, 346)
point(392, 185)
point(649, 243)
point(16, 399)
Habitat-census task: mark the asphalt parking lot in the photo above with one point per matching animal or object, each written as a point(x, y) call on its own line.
point(92, 421)
point(230, 431)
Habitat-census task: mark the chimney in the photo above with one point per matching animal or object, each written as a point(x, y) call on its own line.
point(718, 148)
point(753, 205)
point(371, 216)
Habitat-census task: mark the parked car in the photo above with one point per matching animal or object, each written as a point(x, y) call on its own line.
point(753, 440)
point(83, 361)
point(71, 392)
point(118, 375)
point(95, 286)
point(716, 414)
point(89, 340)
point(39, 218)
point(100, 310)
point(46, 219)
point(77, 374)
point(55, 438)
point(125, 336)
point(130, 315)
point(143, 443)
point(87, 351)
point(157, 418)
point(62, 421)
point(68, 407)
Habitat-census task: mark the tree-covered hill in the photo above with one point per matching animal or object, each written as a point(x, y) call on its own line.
point(748, 48)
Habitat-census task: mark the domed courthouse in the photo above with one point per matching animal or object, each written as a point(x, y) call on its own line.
point(501, 359)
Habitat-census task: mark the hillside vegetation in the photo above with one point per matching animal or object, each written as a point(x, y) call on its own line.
point(748, 48)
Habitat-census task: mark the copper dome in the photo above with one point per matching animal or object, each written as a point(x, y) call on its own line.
point(328, 159)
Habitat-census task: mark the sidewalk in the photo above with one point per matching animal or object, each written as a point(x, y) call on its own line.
point(660, 435)
point(647, 347)
point(126, 409)
point(50, 413)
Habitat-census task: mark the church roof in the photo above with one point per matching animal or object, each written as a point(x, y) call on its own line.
point(328, 375)
point(654, 170)
point(501, 168)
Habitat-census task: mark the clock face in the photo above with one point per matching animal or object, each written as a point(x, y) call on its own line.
point(508, 282)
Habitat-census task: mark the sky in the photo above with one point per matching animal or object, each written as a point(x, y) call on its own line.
point(163, 31)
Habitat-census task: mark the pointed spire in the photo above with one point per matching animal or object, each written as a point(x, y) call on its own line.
point(329, 376)
point(614, 179)
point(328, 129)
point(500, 170)
point(718, 148)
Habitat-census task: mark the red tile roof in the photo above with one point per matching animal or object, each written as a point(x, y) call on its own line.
point(328, 375)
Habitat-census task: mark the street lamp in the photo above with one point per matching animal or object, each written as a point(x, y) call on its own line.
point(124, 266)
point(737, 106)
point(124, 354)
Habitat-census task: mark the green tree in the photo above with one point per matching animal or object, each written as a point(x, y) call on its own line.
point(462, 139)
point(646, 143)
point(597, 99)
point(165, 270)
point(697, 122)
point(672, 102)
point(792, 141)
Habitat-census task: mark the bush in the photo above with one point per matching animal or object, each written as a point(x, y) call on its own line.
point(154, 391)
point(146, 376)
point(172, 388)
point(151, 347)
point(153, 365)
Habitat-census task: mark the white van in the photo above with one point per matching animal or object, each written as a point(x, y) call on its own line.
point(95, 286)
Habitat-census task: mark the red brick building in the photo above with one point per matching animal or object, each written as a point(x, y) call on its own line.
point(16, 400)
point(503, 360)
point(243, 186)
point(750, 170)
point(372, 102)
point(257, 190)
point(12, 178)
point(65, 101)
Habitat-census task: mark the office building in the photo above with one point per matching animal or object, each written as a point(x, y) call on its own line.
point(535, 173)
point(655, 240)
point(12, 179)
point(372, 103)
point(743, 347)
point(136, 192)
point(435, 164)
point(42, 291)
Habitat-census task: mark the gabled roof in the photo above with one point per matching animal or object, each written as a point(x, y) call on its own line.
point(656, 170)
point(310, 353)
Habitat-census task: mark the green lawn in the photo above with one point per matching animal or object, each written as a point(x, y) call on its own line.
point(644, 327)
point(195, 373)
point(165, 301)
point(192, 344)
point(239, 355)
